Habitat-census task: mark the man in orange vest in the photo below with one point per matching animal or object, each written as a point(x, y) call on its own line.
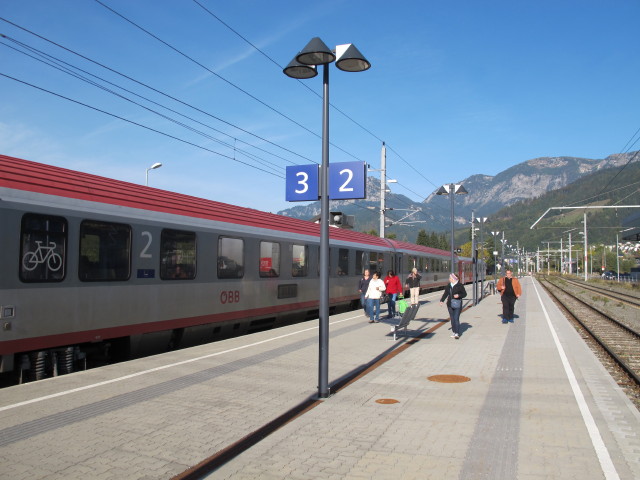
point(510, 290)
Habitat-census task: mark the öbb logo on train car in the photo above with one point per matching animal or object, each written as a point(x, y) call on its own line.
point(230, 296)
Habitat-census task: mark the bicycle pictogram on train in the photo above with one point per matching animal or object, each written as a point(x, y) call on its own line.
point(42, 254)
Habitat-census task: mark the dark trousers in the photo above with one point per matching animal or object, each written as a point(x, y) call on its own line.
point(391, 302)
point(373, 307)
point(508, 304)
point(454, 314)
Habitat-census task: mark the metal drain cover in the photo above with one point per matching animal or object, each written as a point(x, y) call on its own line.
point(449, 378)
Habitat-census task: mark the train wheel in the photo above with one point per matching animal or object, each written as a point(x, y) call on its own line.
point(65, 361)
point(38, 371)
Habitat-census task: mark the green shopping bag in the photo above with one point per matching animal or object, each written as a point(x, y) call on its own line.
point(401, 305)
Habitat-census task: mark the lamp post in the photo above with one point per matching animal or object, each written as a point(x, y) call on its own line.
point(570, 250)
point(495, 253)
point(481, 221)
point(348, 59)
point(451, 189)
point(503, 241)
point(383, 190)
point(474, 258)
point(584, 263)
point(152, 167)
point(618, 250)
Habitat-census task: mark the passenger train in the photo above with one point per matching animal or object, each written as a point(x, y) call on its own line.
point(94, 266)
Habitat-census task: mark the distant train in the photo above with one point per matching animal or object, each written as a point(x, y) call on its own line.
point(95, 266)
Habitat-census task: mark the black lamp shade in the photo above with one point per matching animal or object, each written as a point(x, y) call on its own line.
point(350, 59)
point(315, 53)
point(299, 70)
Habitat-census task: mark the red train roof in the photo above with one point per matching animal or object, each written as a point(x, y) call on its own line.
point(398, 245)
point(30, 176)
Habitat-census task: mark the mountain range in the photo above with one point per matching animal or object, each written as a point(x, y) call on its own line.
point(487, 195)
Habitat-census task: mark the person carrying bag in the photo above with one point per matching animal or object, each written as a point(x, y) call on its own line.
point(454, 292)
point(413, 284)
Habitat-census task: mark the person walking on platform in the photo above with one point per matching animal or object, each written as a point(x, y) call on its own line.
point(413, 284)
point(394, 287)
point(510, 290)
point(454, 292)
point(363, 284)
point(374, 292)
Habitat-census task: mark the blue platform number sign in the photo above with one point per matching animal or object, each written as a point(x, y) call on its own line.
point(347, 180)
point(302, 183)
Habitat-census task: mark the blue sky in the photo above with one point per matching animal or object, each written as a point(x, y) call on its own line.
point(456, 88)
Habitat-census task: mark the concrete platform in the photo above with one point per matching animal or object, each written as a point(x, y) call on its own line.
point(537, 404)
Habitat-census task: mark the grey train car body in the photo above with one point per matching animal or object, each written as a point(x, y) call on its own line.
point(93, 264)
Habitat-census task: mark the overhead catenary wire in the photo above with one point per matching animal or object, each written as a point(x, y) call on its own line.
point(212, 14)
point(275, 110)
point(618, 173)
point(280, 67)
point(630, 143)
point(55, 63)
point(231, 83)
point(137, 124)
point(191, 106)
point(69, 69)
point(149, 87)
point(626, 149)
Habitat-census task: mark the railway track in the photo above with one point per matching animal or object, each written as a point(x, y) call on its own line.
point(632, 300)
point(616, 343)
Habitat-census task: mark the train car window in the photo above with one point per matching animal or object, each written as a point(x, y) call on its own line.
point(300, 261)
point(105, 251)
point(269, 259)
point(411, 263)
point(343, 261)
point(230, 257)
point(43, 246)
point(373, 262)
point(177, 255)
point(359, 261)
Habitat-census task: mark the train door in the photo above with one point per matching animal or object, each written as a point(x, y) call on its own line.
point(398, 265)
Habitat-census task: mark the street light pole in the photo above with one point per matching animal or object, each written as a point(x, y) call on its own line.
point(152, 167)
point(495, 254)
point(452, 189)
point(584, 264)
point(482, 221)
point(474, 258)
point(570, 258)
point(323, 359)
point(383, 187)
point(502, 257)
point(349, 59)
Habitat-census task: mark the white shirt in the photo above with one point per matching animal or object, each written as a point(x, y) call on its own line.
point(372, 291)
